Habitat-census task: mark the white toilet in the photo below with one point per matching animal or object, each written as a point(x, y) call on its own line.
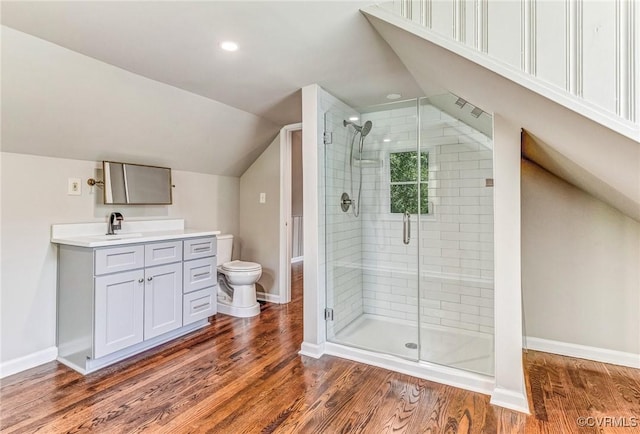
point(236, 282)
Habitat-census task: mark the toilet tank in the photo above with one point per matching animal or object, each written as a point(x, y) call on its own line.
point(224, 248)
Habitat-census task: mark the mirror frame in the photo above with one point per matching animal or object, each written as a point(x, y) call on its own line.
point(108, 184)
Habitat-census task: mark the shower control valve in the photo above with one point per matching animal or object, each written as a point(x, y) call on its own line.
point(345, 202)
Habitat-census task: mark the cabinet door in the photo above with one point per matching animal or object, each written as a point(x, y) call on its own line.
point(118, 311)
point(162, 299)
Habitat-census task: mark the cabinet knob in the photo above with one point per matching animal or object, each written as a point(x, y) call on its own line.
point(140, 280)
point(149, 279)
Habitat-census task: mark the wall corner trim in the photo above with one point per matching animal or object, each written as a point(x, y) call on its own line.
point(510, 399)
point(265, 296)
point(311, 350)
point(604, 355)
point(29, 361)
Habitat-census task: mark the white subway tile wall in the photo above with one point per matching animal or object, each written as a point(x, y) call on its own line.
point(368, 268)
point(455, 257)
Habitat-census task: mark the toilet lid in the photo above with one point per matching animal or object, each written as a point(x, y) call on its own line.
point(241, 266)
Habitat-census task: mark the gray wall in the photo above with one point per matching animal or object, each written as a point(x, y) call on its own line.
point(580, 266)
point(258, 236)
point(34, 196)
point(296, 172)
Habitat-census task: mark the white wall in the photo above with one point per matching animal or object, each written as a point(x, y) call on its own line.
point(258, 232)
point(509, 389)
point(34, 196)
point(579, 54)
point(313, 279)
point(580, 266)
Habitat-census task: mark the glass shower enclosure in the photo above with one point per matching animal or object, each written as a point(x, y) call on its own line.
point(408, 231)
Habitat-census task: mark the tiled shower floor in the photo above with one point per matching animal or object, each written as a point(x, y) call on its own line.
point(459, 349)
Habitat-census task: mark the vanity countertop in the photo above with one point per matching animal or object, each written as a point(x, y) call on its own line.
point(93, 234)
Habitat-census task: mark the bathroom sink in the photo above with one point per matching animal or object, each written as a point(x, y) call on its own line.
point(114, 237)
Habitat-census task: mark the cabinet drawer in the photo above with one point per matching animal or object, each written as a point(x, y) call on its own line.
point(162, 253)
point(199, 274)
point(199, 305)
point(196, 248)
point(116, 259)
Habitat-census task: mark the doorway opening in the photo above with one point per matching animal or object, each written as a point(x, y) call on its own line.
point(291, 202)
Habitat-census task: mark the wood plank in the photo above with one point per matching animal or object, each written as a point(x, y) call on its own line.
point(244, 376)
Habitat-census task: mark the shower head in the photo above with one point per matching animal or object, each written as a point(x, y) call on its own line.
point(362, 129)
point(366, 128)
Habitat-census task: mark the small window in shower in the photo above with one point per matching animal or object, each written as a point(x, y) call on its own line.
point(403, 176)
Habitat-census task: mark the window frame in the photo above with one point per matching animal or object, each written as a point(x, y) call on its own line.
point(422, 185)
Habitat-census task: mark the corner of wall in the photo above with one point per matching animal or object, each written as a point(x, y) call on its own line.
point(510, 399)
point(259, 222)
point(312, 289)
point(510, 390)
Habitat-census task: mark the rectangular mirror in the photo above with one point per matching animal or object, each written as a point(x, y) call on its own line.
point(136, 184)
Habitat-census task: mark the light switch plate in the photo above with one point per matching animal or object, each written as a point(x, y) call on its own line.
point(263, 197)
point(74, 188)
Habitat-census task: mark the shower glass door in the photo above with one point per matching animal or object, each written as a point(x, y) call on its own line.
point(456, 243)
point(408, 230)
point(373, 177)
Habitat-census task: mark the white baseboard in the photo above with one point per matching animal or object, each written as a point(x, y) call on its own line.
point(510, 399)
point(20, 364)
point(428, 371)
point(312, 350)
point(265, 296)
point(297, 259)
point(604, 355)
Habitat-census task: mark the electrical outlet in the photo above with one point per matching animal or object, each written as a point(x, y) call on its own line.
point(74, 187)
point(263, 197)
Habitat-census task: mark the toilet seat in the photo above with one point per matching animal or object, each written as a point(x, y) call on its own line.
point(241, 266)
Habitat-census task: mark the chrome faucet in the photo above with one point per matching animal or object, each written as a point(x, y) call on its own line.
point(115, 223)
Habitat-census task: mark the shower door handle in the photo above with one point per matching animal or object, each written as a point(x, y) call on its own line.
point(406, 227)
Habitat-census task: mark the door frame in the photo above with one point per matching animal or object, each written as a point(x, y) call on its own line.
point(285, 211)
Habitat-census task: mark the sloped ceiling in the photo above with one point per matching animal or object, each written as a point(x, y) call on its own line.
point(540, 153)
point(609, 158)
point(58, 103)
point(147, 81)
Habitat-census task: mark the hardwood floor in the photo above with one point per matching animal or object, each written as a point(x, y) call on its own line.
point(245, 376)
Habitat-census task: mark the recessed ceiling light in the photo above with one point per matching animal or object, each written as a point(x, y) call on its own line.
point(394, 96)
point(229, 46)
point(354, 118)
point(386, 140)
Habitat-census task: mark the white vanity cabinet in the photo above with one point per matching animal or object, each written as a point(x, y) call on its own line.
point(116, 301)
